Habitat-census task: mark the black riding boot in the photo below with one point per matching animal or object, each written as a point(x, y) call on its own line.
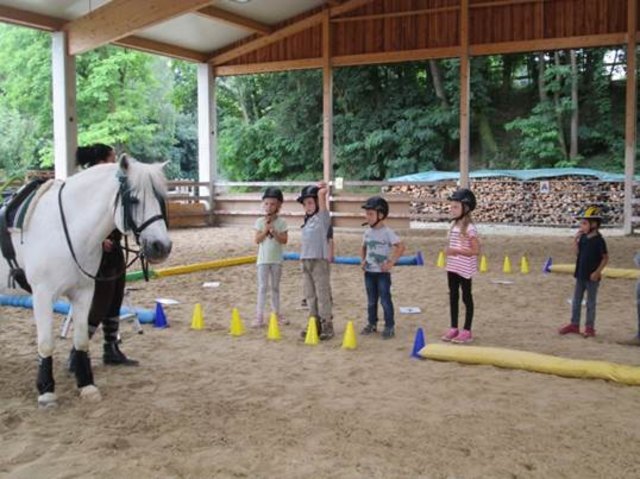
point(112, 354)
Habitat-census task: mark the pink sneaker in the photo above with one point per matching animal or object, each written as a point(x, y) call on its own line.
point(463, 338)
point(589, 332)
point(450, 334)
point(569, 329)
point(282, 321)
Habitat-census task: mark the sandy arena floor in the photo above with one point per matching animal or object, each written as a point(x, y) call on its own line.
point(204, 404)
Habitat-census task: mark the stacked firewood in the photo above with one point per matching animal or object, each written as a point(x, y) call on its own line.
point(552, 202)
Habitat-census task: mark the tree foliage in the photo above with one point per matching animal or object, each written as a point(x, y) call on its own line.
point(389, 120)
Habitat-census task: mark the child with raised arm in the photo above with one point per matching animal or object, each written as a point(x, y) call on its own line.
point(315, 257)
point(381, 248)
point(270, 234)
point(462, 263)
point(591, 258)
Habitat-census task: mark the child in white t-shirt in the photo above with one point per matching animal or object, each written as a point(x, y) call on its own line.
point(270, 234)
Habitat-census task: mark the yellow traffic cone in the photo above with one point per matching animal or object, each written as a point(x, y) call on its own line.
point(349, 340)
point(273, 333)
point(506, 266)
point(484, 267)
point(237, 328)
point(524, 265)
point(440, 262)
point(312, 332)
point(197, 322)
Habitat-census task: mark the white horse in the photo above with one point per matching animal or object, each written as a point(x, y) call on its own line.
point(60, 249)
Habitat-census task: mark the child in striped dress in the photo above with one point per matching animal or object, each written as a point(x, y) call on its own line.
point(462, 262)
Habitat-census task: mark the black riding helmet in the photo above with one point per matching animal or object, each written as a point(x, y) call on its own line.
point(309, 191)
point(272, 192)
point(377, 203)
point(466, 197)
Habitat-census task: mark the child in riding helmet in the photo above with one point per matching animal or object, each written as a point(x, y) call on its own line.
point(315, 257)
point(591, 258)
point(462, 262)
point(270, 234)
point(381, 248)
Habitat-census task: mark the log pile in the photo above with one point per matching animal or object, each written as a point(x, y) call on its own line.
point(552, 202)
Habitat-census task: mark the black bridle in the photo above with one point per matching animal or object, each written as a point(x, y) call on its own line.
point(128, 202)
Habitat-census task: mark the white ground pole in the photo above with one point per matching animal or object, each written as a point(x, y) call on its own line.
point(207, 130)
point(65, 127)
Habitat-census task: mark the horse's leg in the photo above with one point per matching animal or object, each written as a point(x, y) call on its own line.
point(43, 313)
point(81, 303)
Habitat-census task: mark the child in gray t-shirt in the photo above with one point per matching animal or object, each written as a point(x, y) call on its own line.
point(315, 257)
point(381, 248)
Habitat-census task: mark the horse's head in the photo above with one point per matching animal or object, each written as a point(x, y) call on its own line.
point(140, 207)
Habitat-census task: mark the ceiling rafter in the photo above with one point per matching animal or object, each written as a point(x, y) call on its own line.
point(234, 19)
point(24, 18)
point(313, 19)
point(120, 18)
point(48, 23)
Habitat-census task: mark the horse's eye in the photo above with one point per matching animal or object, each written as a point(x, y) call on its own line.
point(134, 201)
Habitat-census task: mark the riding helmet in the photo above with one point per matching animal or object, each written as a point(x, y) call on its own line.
point(309, 191)
point(591, 213)
point(377, 203)
point(464, 196)
point(272, 192)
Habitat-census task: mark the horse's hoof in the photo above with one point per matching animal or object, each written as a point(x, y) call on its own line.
point(90, 393)
point(47, 401)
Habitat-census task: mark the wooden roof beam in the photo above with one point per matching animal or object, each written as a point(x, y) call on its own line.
point(284, 32)
point(120, 18)
point(235, 20)
point(161, 48)
point(51, 24)
point(23, 18)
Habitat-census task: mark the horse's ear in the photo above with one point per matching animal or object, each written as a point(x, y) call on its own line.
point(165, 163)
point(124, 162)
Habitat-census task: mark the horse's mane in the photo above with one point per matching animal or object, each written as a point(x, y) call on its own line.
point(143, 178)
point(139, 175)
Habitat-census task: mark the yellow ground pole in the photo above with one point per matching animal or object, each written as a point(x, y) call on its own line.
point(191, 268)
point(535, 362)
point(618, 273)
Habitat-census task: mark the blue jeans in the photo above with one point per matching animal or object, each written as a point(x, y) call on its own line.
point(378, 286)
point(591, 287)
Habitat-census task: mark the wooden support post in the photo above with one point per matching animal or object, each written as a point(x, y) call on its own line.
point(464, 93)
point(207, 131)
point(65, 128)
point(631, 113)
point(327, 100)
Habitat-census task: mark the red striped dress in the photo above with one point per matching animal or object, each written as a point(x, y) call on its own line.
point(465, 266)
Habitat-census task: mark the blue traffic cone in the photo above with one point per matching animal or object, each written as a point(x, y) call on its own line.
point(419, 259)
point(160, 320)
point(547, 265)
point(418, 343)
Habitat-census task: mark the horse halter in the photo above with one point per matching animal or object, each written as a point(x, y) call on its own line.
point(128, 202)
